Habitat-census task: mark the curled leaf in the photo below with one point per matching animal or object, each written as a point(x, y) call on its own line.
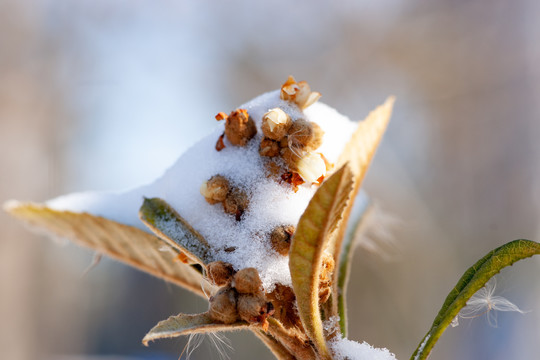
point(124, 243)
point(473, 280)
point(166, 223)
point(184, 324)
point(308, 243)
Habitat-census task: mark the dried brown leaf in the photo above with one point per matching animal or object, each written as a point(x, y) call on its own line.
point(124, 243)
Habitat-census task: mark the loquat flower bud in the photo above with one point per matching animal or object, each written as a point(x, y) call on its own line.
point(304, 96)
point(236, 203)
point(280, 238)
point(299, 93)
point(269, 148)
point(275, 124)
point(223, 306)
point(311, 167)
point(305, 134)
point(247, 281)
point(215, 189)
point(254, 308)
point(291, 158)
point(239, 127)
point(219, 273)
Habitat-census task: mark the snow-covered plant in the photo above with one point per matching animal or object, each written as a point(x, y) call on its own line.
point(253, 218)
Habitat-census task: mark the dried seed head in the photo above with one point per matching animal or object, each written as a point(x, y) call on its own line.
point(281, 238)
point(215, 189)
point(240, 127)
point(236, 203)
point(247, 281)
point(275, 124)
point(311, 167)
point(223, 306)
point(219, 273)
point(253, 308)
point(305, 134)
point(269, 148)
point(300, 93)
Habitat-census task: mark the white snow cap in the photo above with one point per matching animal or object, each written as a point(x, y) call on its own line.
point(272, 202)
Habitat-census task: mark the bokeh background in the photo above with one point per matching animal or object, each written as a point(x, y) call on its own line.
point(105, 94)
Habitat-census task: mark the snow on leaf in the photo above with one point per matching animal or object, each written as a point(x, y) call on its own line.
point(165, 222)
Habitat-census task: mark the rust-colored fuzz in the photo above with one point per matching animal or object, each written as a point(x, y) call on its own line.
point(280, 238)
point(240, 127)
point(284, 300)
point(247, 281)
point(223, 306)
point(219, 273)
point(325, 277)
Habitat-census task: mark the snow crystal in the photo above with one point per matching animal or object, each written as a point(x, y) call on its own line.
point(344, 349)
point(271, 203)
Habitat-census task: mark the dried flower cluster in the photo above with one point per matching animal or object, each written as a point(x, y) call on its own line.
point(241, 296)
point(288, 144)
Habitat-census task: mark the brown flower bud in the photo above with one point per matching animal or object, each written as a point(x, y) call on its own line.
point(305, 134)
point(299, 93)
point(247, 281)
point(281, 238)
point(275, 124)
point(253, 308)
point(236, 203)
point(240, 127)
point(269, 148)
point(219, 273)
point(223, 306)
point(215, 189)
point(291, 158)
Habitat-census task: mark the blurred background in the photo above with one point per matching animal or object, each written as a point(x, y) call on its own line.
point(98, 95)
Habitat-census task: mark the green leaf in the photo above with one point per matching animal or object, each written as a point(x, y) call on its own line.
point(308, 243)
point(124, 243)
point(358, 153)
point(473, 280)
point(184, 324)
point(346, 260)
point(166, 223)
